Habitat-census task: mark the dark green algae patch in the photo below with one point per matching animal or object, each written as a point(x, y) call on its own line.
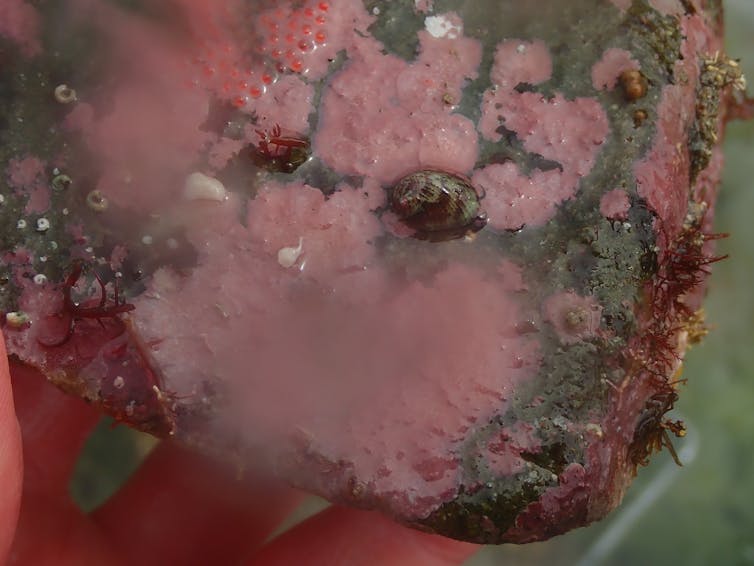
point(578, 249)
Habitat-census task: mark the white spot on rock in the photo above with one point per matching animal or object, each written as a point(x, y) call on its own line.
point(441, 26)
point(199, 186)
point(287, 257)
point(40, 279)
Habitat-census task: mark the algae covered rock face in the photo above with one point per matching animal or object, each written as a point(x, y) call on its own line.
point(437, 258)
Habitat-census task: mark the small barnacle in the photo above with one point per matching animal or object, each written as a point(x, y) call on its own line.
point(21, 224)
point(43, 224)
point(40, 279)
point(60, 182)
point(438, 205)
point(17, 319)
point(287, 257)
point(634, 84)
point(65, 94)
point(96, 201)
point(640, 116)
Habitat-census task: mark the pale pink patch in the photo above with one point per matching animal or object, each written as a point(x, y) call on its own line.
point(117, 257)
point(573, 317)
point(423, 6)
point(514, 200)
point(615, 204)
point(669, 7)
point(19, 22)
point(606, 71)
point(27, 177)
point(518, 61)
point(335, 232)
point(662, 177)
point(622, 5)
point(287, 104)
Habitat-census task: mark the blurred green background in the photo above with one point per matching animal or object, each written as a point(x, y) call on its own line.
point(700, 514)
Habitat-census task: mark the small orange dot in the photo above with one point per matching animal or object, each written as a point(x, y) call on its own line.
point(308, 12)
point(320, 19)
point(303, 45)
point(306, 29)
point(276, 53)
point(324, 6)
point(267, 79)
point(289, 54)
point(273, 38)
point(243, 85)
point(320, 37)
point(256, 92)
point(239, 101)
point(296, 65)
point(290, 38)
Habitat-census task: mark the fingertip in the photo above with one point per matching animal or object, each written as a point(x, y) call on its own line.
point(11, 464)
point(340, 536)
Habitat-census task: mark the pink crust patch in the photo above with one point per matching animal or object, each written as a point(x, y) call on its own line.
point(669, 7)
point(151, 136)
point(574, 317)
point(423, 5)
point(615, 204)
point(662, 177)
point(335, 233)
point(569, 132)
point(27, 177)
point(383, 377)
point(622, 5)
point(514, 200)
point(19, 22)
point(606, 71)
point(382, 117)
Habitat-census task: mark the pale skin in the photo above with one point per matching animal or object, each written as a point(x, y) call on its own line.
point(178, 508)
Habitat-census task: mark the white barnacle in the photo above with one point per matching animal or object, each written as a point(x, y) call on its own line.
point(199, 186)
point(287, 257)
point(65, 94)
point(40, 279)
point(96, 201)
point(119, 382)
point(16, 319)
point(21, 224)
point(43, 224)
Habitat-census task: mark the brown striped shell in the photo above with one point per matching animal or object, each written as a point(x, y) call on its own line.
point(438, 205)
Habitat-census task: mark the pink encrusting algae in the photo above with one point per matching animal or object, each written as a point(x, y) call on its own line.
point(242, 279)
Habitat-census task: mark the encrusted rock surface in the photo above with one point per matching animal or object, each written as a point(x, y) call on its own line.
point(197, 235)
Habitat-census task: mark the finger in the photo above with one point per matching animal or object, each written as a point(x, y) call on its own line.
point(52, 530)
point(340, 536)
point(54, 427)
point(185, 509)
point(10, 459)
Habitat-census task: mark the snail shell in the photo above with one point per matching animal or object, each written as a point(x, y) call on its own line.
point(438, 205)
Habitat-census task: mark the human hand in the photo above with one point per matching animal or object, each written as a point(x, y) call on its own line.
point(178, 508)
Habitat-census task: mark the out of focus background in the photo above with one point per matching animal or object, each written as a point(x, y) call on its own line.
point(700, 514)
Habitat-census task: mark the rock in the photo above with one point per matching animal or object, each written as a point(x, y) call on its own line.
point(500, 385)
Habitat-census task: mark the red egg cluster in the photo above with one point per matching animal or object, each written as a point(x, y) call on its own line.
point(290, 36)
point(240, 55)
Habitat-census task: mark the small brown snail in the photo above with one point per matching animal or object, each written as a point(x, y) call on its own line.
point(438, 205)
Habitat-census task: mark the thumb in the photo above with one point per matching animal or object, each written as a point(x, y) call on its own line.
point(11, 466)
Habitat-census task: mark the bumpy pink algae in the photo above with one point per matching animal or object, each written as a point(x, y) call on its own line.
point(615, 204)
point(606, 71)
point(28, 176)
point(567, 131)
point(19, 22)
